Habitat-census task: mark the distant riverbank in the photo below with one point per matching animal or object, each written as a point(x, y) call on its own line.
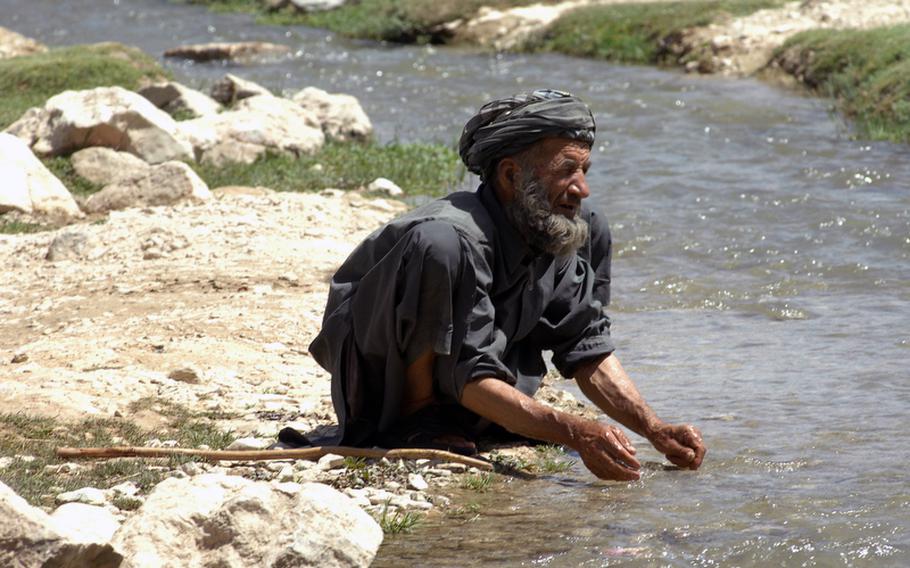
point(855, 51)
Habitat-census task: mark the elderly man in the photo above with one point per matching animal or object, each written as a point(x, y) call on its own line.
point(437, 323)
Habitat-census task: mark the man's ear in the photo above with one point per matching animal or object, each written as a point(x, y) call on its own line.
point(507, 175)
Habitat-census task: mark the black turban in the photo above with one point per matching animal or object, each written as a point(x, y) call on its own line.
point(505, 127)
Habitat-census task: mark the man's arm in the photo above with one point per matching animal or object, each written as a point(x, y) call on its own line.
point(608, 386)
point(605, 450)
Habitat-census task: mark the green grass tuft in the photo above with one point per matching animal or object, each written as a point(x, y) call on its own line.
point(867, 71)
point(32, 79)
point(478, 482)
point(20, 228)
point(552, 459)
point(397, 522)
point(416, 168)
point(636, 33)
point(63, 169)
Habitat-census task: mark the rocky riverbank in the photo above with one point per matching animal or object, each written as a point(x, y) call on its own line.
point(152, 310)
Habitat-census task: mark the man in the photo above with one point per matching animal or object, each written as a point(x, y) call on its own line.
point(445, 312)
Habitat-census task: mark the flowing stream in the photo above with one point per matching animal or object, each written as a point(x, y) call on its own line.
point(761, 291)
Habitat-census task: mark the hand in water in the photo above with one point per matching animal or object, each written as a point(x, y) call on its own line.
point(608, 453)
point(681, 443)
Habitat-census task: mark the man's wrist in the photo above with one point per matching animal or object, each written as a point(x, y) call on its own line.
point(652, 427)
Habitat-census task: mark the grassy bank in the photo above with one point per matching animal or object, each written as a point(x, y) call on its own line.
point(402, 21)
point(866, 71)
point(637, 33)
point(417, 168)
point(36, 474)
point(30, 80)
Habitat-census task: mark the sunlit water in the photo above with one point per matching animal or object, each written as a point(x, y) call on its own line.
point(761, 291)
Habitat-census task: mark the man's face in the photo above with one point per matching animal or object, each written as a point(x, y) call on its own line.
point(548, 193)
point(561, 166)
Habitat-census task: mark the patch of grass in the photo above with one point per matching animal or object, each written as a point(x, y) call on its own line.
point(866, 71)
point(636, 33)
point(480, 482)
point(39, 480)
point(126, 503)
point(30, 80)
point(509, 462)
point(20, 228)
point(416, 168)
point(402, 21)
point(552, 459)
point(63, 169)
point(397, 522)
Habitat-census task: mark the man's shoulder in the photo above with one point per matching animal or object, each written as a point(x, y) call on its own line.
point(463, 210)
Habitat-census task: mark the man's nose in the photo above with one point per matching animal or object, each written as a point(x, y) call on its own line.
point(579, 186)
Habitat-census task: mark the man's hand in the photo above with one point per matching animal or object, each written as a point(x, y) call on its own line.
point(607, 452)
point(681, 443)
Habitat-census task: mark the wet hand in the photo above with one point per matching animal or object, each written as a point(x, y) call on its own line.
point(681, 443)
point(608, 453)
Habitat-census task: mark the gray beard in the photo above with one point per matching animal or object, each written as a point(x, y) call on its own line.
point(541, 228)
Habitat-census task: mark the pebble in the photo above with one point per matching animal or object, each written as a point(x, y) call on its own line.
point(19, 358)
point(192, 469)
point(454, 467)
point(126, 489)
point(330, 461)
point(249, 444)
point(417, 482)
point(286, 474)
point(87, 495)
point(185, 375)
point(437, 472)
point(6, 461)
point(63, 468)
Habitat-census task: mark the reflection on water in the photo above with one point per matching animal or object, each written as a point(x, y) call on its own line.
point(762, 291)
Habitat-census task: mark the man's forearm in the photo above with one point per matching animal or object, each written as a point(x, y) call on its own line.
point(505, 405)
point(608, 386)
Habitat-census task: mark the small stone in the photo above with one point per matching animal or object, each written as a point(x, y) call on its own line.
point(6, 461)
point(63, 468)
point(185, 375)
point(330, 461)
point(24, 459)
point(19, 358)
point(191, 469)
point(392, 485)
point(178, 474)
point(244, 444)
point(318, 168)
point(386, 186)
point(126, 489)
point(286, 474)
point(437, 472)
point(421, 462)
point(87, 495)
point(417, 482)
point(454, 467)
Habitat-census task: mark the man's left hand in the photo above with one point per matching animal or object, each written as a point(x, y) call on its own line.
point(681, 443)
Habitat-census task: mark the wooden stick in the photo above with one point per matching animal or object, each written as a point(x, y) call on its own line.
point(311, 454)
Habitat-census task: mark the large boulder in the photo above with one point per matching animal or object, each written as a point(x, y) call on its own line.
point(229, 521)
point(107, 116)
point(256, 124)
point(13, 44)
point(340, 116)
point(27, 186)
point(172, 97)
point(164, 184)
point(104, 166)
point(28, 537)
point(238, 51)
point(232, 88)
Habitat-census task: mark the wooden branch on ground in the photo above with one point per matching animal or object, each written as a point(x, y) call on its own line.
point(311, 454)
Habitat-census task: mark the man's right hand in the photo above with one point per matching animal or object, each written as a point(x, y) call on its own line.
point(606, 451)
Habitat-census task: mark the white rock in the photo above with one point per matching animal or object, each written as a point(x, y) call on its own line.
point(317, 5)
point(235, 51)
point(417, 482)
point(164, 184)
point(330, 461)
point(192, 468)
point(104, 166)
point(229, 521)
point(6, 461)
point(172, 97)
point(28, 538)
point(232, 88)
point(340, 116)
point(262, 121)
point(85, 523)
point(126, 489)
point(13, 44)
point(244, 444)
point(28, 186)
point(386, 186)
point(72, 243)
point(106, 116)
point(86, 495)
point(286, 474)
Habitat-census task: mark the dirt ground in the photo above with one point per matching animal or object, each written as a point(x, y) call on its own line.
point(232, 290)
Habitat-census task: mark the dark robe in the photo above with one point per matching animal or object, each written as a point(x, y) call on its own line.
point(454, 277)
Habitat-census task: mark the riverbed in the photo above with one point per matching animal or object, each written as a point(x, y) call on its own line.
point(761, 291)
